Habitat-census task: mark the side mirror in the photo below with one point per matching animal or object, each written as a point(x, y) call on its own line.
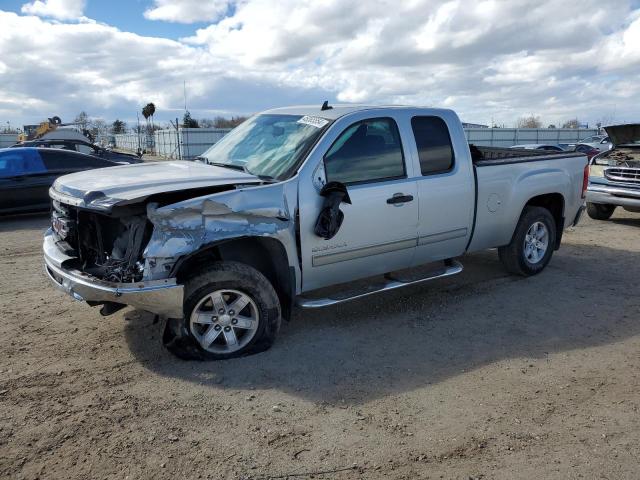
point(331, 217)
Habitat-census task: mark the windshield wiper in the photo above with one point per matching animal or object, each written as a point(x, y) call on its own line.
point(266, 178)
point(227, 165)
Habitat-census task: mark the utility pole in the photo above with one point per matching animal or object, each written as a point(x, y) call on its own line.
point(138, 133)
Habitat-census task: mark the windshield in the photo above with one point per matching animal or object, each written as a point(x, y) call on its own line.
point(267, 145)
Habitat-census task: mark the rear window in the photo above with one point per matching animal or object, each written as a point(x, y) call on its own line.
point(17, 162)
point(434, 144)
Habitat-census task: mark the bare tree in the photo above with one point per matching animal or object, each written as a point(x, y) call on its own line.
point(530, 121)
point(82, 120)
point(221, 122)
point(206, 123)
point(573, 123)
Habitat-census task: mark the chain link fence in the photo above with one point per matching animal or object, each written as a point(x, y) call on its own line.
point(188, 143)
point(183, 143)
point(507, 137)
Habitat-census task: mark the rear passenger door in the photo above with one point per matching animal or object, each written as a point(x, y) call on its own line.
point(446, 190)
point(378, 233)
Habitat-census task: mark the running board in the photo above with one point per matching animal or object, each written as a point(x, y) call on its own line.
point(452, 267)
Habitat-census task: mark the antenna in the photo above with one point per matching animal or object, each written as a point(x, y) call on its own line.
point(326, 106)
point(184, 88)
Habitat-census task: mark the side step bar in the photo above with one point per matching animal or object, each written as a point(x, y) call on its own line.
point(452, 267)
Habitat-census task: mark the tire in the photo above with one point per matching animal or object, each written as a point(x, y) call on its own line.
point(518, 257)
point(600, 211)
point(254, 331)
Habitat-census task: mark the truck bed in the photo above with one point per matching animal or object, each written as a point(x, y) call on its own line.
point(487, 156)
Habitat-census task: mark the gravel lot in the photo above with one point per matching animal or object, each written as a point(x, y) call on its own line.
point(483, 375)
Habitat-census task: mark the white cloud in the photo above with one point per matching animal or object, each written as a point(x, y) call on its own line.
point(59, 9)
point(187, 11)
point(486, 59)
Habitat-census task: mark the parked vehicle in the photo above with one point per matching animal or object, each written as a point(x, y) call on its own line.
point(82, 147)
point(27, 173)
point(588, 150)
point(614, 175)
point(295, 200)
point(539, 146)
point(602, 143)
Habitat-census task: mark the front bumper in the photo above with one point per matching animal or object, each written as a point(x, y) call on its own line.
point(163, 297)
point(610, 195)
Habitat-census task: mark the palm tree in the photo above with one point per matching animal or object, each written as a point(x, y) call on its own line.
point(148, 111)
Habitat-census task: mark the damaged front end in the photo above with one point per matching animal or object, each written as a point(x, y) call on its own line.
point(106, 246)
point(127, 254)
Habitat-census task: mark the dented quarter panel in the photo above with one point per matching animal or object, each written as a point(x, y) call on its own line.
point(252, 211)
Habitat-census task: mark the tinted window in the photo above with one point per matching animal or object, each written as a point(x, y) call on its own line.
point(366, 151)
point(17, 162)
point(65, 160)
point(551, 148)
point(434, 144)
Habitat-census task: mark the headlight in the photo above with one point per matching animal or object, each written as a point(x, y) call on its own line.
point(596, 171)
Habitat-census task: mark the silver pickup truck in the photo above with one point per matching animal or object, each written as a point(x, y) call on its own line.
point(614, 176)
point(297, 200)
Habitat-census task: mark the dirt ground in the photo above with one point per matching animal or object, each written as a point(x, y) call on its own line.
point(483, 375)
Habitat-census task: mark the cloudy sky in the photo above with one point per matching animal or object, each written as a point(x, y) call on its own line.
point(493, 59)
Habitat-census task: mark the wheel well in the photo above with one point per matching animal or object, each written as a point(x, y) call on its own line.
point(554, 202)
point(266, 255)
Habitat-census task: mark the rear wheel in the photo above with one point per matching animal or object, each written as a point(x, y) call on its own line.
point(231, 310)
point(532, 244)
point(600, 211)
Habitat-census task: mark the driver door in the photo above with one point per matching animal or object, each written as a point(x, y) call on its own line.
point(379, 230)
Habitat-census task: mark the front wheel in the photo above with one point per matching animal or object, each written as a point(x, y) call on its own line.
point(600, 211)
point(532, 244)
point(231, 310)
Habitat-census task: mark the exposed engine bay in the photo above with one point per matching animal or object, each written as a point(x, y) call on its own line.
point(106, 246)
point(628, 157)
point(110, 245)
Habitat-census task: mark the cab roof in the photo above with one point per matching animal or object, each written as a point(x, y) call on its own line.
point(340, 110)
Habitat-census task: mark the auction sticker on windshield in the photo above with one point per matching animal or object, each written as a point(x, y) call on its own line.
point(317, 122)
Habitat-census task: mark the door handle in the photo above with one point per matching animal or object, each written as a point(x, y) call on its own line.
point(399, 198)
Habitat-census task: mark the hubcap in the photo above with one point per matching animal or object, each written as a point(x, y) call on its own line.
point(224, 321)
point(536, 242)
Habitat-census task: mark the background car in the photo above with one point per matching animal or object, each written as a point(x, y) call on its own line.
point(602, 143)
point(588, 150)
point(82, 147)
point(27, 173)
point(539, 146)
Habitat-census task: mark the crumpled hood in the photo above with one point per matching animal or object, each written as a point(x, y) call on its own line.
point(624, 134)
point(130, 182)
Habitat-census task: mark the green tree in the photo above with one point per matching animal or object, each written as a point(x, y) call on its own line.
point(118, 126)
point(188, 122)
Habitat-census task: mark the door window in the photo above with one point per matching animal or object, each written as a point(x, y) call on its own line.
point(434, 144)
point(20, 162)
point(367, 151)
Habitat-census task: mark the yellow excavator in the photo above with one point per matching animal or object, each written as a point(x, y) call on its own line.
point(33, 132)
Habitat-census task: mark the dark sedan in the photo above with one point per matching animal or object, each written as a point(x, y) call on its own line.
point(27, 173)
point(82, 147)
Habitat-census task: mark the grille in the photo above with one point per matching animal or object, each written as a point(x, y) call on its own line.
point(63, 221)
point(629, 175)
